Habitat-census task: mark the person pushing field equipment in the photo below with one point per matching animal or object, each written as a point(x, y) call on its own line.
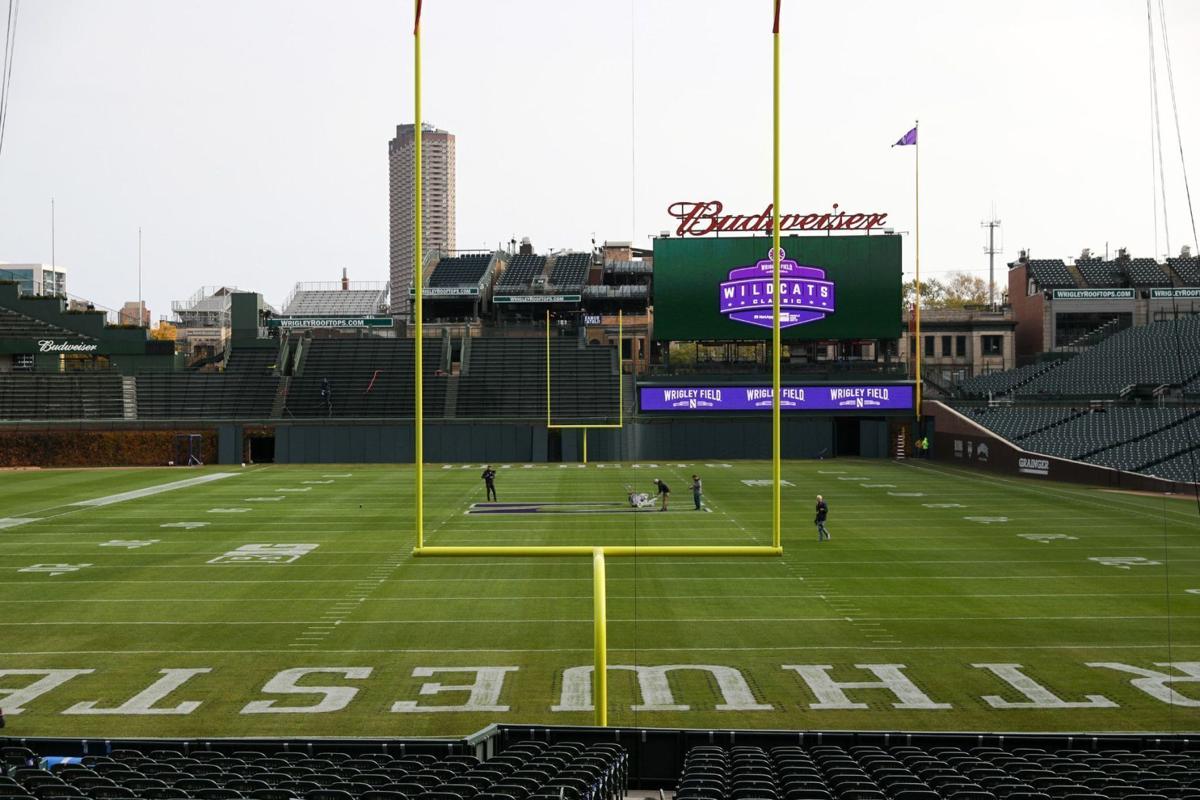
point(664, 491)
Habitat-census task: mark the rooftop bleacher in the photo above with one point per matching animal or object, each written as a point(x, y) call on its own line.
point(997, 384)
point(521, 271)
point(331, 300)
point(1101, 274)
point(1187, 268)
point(15, 325)
point(570, 270)
point(1145, 272)
point(1050, 273)
point(463, 270)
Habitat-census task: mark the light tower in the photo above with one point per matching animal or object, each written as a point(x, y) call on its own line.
point(991, 250)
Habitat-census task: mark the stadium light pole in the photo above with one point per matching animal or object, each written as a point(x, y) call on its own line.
point(776, 426)
point(418, 308)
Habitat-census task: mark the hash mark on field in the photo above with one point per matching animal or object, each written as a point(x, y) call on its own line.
point(305, 489)
point(264, 499)
point(340, 475)
point(317, 482)
point(831, 471)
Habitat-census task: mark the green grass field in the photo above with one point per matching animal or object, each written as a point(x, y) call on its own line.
point(932, 568)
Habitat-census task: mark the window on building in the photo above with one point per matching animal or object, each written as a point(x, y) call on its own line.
point(929, 346)
point(946, 349)
point(960, 346)
point(992, 345)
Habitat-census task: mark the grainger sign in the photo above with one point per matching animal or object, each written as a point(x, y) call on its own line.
point(700, 218)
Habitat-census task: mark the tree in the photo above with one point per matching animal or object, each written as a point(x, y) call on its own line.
point(960, 289)
point(164, 332)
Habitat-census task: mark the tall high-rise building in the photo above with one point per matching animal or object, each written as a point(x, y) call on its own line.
point(437, 198)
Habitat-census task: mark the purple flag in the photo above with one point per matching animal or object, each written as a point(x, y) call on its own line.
point(908, 138)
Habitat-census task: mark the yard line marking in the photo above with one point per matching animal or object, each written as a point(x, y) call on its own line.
point(795, 648)
point(153, 490)
point(12, 522)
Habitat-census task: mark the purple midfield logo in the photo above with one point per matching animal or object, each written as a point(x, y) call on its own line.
point(805, 295)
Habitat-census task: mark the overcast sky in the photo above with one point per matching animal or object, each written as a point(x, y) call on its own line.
point(249, 139)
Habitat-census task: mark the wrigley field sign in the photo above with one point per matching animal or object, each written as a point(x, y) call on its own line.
point(329, 322)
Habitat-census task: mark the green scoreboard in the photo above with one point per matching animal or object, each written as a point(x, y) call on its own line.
point(832, 287)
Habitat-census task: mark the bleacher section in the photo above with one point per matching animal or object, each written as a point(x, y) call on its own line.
point(465, 270)
point(57, 396)
point(368, 377)
point(1099, 273)
point(1051, 273)
point(1146, 272)
point(1016, 422)
point(14, 325)
point(523, 771)
point(205, 395)
point(1002, 383)
point(247, 361)
point(507, 378)
point(521, 270)
point(872, 772)
point(336, 302)
point(570, 270)
point(1182, 467)
point(1188, 269)
point(1091, 431)
point(1159, 353)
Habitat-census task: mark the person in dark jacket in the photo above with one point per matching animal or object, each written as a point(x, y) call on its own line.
point(489, 480)
point(664, 491)
point(822, 513)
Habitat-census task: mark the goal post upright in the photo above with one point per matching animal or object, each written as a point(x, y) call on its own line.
point(418, 307)
point(776, 338)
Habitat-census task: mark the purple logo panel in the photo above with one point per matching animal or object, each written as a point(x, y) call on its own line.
point(791, 398)
point(804, 294)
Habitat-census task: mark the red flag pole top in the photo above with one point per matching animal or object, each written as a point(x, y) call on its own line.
point(775, 27)
point(417, 21)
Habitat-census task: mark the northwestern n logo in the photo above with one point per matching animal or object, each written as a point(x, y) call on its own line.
point(805, 295)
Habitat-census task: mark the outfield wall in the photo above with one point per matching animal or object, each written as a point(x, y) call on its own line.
point(960, 441)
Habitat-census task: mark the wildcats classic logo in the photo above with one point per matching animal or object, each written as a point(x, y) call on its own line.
point(804, 294)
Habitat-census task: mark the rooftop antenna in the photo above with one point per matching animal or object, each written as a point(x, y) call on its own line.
point(991, 250)
point(141, 305)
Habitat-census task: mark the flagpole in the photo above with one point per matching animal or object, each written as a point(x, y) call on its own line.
point(776, 343)
point(917, 243)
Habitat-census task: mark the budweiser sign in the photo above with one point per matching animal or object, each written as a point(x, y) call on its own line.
point(704, 217)
point(51, 346)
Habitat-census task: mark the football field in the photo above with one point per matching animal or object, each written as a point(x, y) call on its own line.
point(285, 600)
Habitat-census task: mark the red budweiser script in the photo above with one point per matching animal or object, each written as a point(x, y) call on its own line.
point(705, 217)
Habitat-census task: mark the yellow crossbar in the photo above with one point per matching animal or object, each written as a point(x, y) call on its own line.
point(614, 551)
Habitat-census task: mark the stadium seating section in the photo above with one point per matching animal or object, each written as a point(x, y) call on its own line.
point(1100, 274)
point(368, 377)
point(521, 271)
point(15, 325)
point(507, 378)
point(831, 772)
point(466, 270)
point(1006, 382)
point(1146, 272)
point(1160, 353)
point(1188, 269)
point(1153, 440)
point(204, 395)
point(1051, 273)
point(58, 396)
point(523, 771)
point(570, 270)
point(336, 302)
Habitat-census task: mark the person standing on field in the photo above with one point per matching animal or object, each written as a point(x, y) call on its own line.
point(697, 490)
point(822, 513)
point(664, 491)
point(489, 480)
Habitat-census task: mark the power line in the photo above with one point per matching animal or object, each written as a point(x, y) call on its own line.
point(1162, 23)
point(10, 47)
